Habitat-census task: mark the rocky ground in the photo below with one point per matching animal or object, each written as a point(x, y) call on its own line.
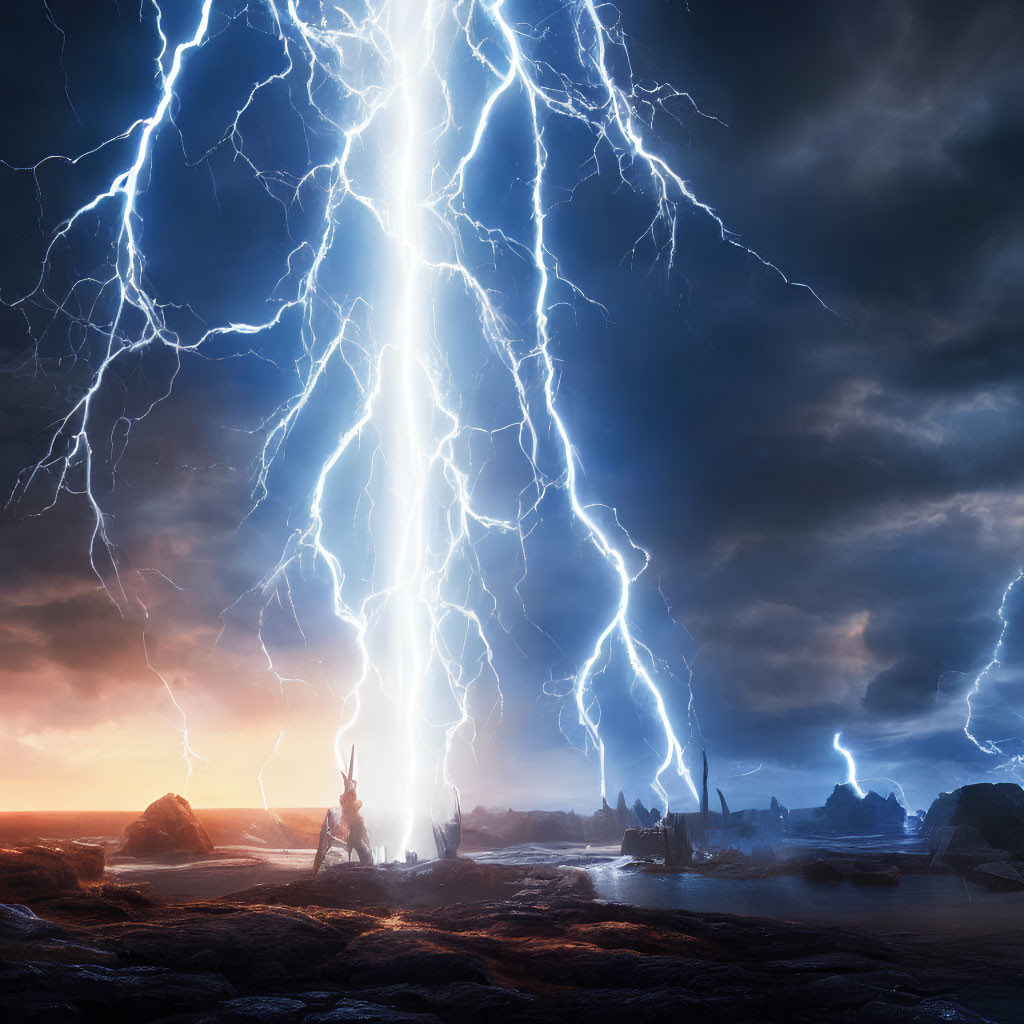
point(462, 941)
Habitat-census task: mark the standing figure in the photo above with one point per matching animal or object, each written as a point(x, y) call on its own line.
point(343, 825)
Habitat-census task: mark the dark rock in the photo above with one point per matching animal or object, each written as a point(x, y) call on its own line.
point(462, 1001)
point(962, 846)
point(995, 809)
point(524, 952)
point(134, 991)
point(505, 828)
point(678, 850)
point(260, 1010)
point(317, 998)
point(777, 818)
point(881, 876)
point(19, 924)
point(1015, 842)
point(604, 826)
point(645, 818)
point(38, 1011)
point(35, 873)
point(821, 871)
point(168, 825)
point(1001, 876)
point(350, 1010)
point(845, 813)
point(725, 808)
point(378, 958)
point(643, 842)
point(623, 815)
point(928, 1011)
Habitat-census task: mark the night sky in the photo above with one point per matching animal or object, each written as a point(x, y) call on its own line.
point(831, 492)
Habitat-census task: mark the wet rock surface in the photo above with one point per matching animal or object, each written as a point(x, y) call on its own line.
point(20, 924)
point(367, 945)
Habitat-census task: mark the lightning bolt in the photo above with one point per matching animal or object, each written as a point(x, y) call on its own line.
point(851, 767)
point(409, 95)
point(990, 746)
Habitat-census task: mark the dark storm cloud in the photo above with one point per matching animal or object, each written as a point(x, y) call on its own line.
point(835, 507)
point(834, 502)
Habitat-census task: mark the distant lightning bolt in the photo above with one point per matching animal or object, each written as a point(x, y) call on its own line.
point(851, 767)
point(405, 567)
point(990, 746)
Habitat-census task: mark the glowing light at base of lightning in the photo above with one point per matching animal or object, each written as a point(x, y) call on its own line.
point(851, 766)
point(1014, 761)
point(389, 63)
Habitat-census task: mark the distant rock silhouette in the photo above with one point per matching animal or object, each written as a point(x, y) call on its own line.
point(845, 813)
point(645, 818)
point(168, 825)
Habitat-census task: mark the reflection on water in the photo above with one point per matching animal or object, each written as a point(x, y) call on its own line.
point(919, 903)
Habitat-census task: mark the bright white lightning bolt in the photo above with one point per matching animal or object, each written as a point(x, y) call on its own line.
point(405, 572)
point(851, 767)
point(989, 746)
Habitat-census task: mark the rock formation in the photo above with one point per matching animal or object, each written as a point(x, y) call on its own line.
point(645, 818)
point(845, 813)
point(35, 873)
point(168, 825)
point(725, 808)
point(995, 809)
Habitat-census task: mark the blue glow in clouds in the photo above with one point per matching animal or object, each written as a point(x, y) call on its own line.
point(409, 264)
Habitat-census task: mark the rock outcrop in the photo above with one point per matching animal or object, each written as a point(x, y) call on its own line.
point(35, 873)
point(645, 818)
point(505, 947)
point(845, 813)
point(168, 825)
point(1000, 876)
point(995, 809)
point(643, 842)
point(961, 846)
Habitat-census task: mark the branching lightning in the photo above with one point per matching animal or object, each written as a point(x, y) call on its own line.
point(407, 577)
point(990, 746)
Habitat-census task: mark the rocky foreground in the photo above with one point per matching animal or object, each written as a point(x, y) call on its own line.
point(463, 942)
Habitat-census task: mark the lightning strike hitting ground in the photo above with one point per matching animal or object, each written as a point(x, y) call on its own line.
point(1015, 761)
point(402, 104)
point(851, 767)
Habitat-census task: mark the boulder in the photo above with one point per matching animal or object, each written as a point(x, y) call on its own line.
point(643, 842)
point(1000, 875)
point(168, 825)
point(962, 845)
point(35, 873)
point(369, 1013)
point(995, 809)
point(260, 1010)
point(821, 871)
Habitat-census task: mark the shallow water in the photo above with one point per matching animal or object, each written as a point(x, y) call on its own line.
point(920, 903)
